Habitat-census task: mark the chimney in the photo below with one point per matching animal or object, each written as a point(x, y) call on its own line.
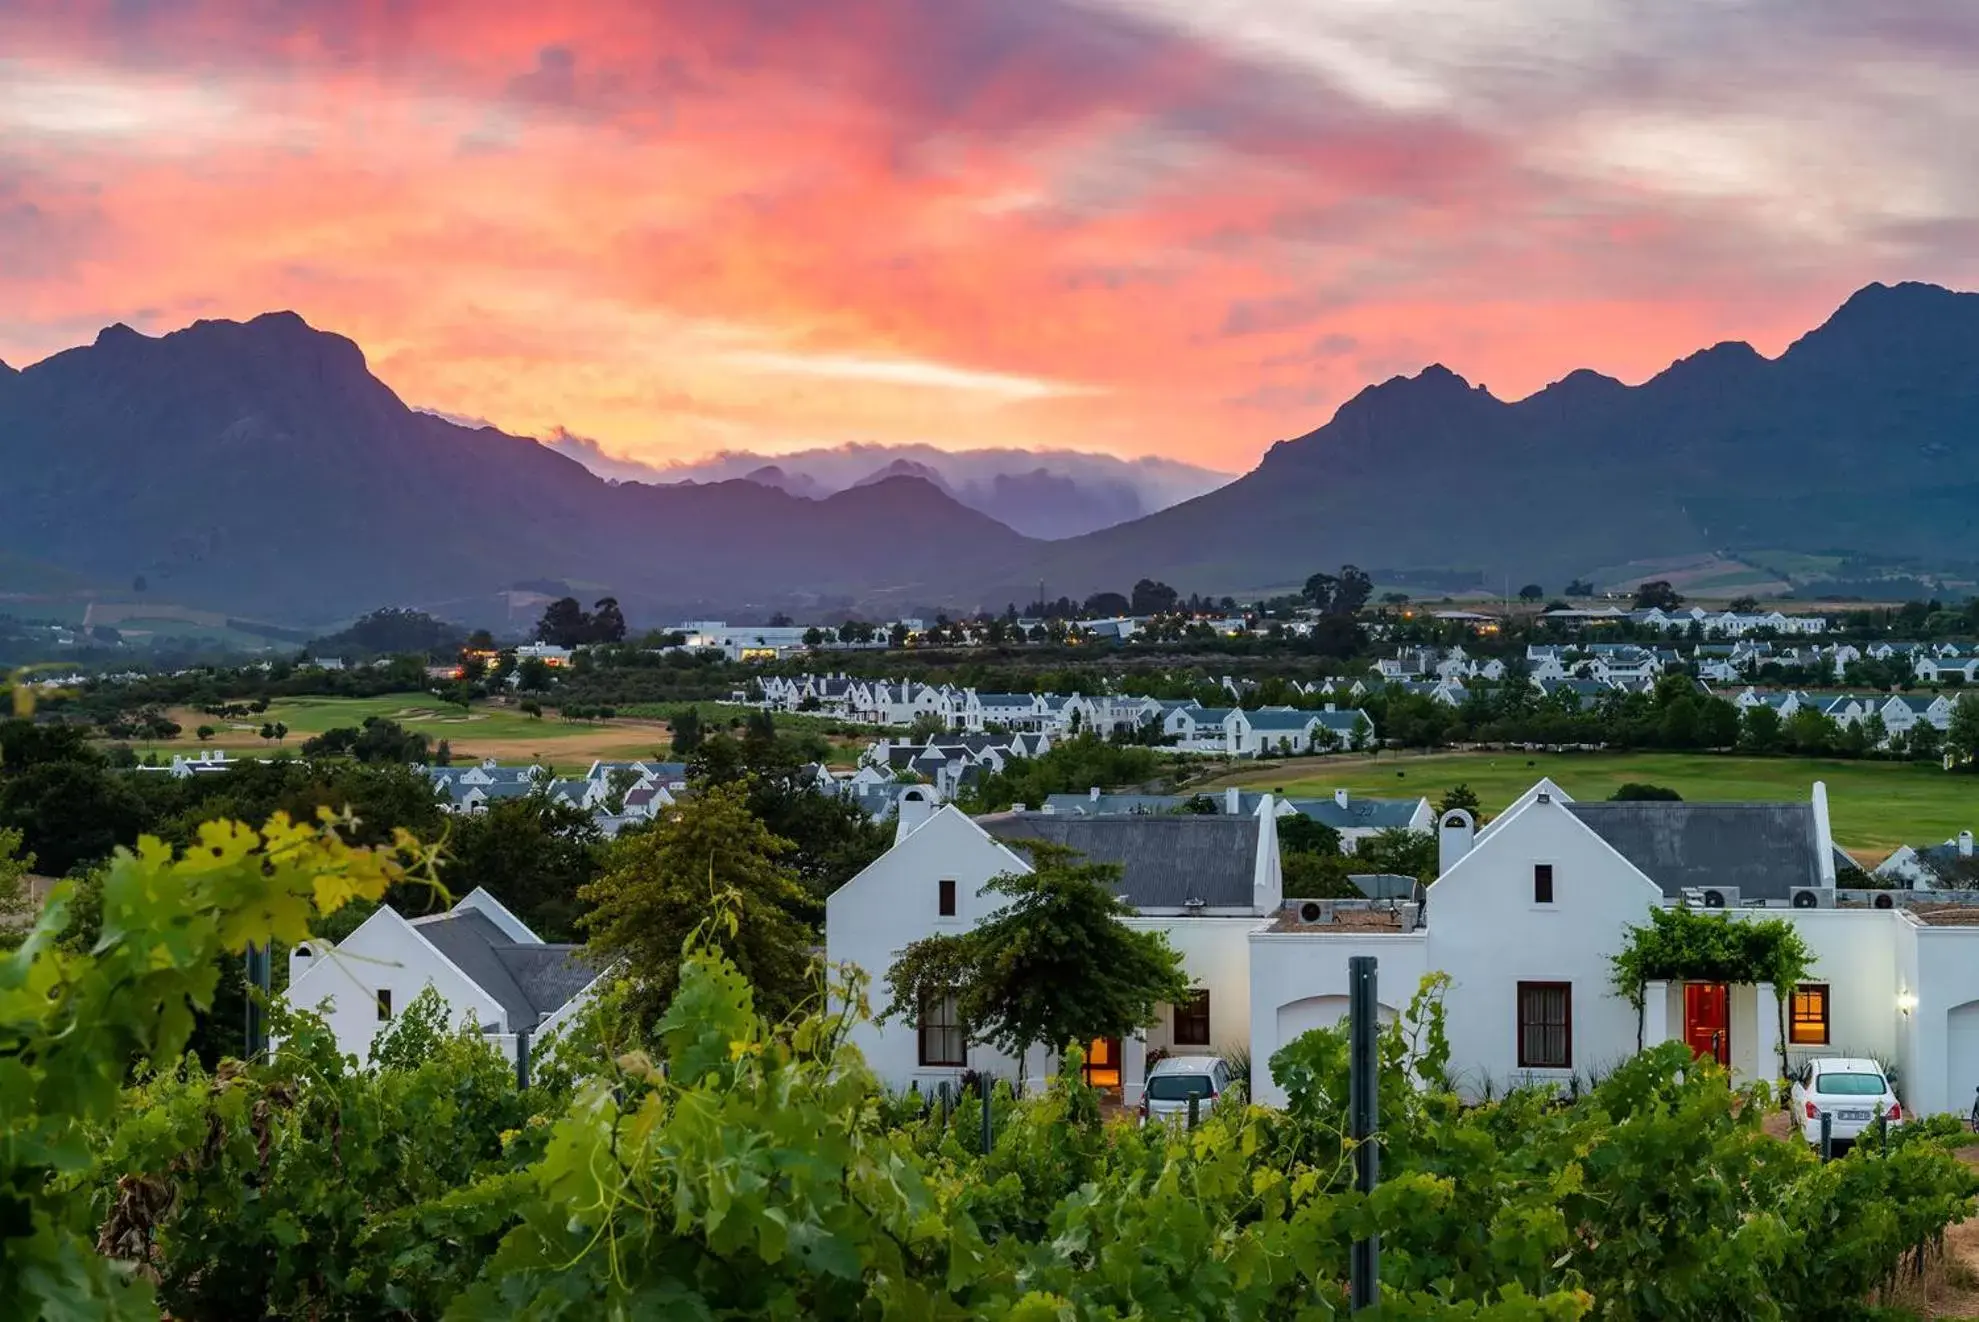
point(1330, 707)
point(1340, 797)
point(1233, 801)
point(915, 805)
point(1824, 839)
point(1965, 844)
point(1093, 794)
point(1267, 874)
point(1455, 834)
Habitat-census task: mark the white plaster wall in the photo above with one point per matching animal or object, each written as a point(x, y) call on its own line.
point(896, 901)
point(1488, 935)
point(1944, 978)
point(1855, 953)
point(384, 953)
point(1298, 979)
point(1216, 955)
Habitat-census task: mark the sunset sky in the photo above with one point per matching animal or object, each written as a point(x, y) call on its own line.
point(1185, 227)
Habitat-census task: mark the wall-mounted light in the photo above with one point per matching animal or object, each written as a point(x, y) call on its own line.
point(1906, 1001)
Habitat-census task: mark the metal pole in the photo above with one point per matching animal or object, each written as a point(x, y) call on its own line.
point(522, 1060)
point(989, 1129)
point(1827, 1136)
point(1195, 1110)
point(258, 959)
point(1363, 1102)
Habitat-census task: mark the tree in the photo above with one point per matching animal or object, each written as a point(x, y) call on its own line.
point(15, 902)
point(1300, 834)
point(1457, 796)
point(686, 727)
point(1055, 965)
point(1319, 591)
point(1108, 603)
point(814, 637)
point(443, 756)
point(1638, 792)
point(532, 675)
point(1531, 592)
point(607, 622)
point(531, 708)
point(1153, 598)
point(1353, 591)
point(1761, 730)
point(897, 635)
point(1657, 594)
point(533, 854)
point(1962, 740)
point(1744, 605)
point(928, 725)
point(1400, 851)
point(564, 624)
point(1580, 587)
point(205, 732)
point(708, 857)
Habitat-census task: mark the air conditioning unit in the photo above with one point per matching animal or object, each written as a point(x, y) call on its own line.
point(1884, 901)
point(1315, 911)
point(1813, 897)
point(1720, 897)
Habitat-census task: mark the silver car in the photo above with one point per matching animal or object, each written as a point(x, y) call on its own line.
point(1853, 1092)
point(1172, 1082)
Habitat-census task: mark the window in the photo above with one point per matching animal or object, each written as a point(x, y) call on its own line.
point(384, 1004)
point(1542, 883)
point(1546, 1025)
point(1192, 1020)
point(947, 898)
point(942, 1039)
point(1807, 1019)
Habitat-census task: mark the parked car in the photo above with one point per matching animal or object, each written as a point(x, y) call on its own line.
point(1853, 1091)
point(1172, 1082)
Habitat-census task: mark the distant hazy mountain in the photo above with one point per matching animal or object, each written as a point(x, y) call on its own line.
point(1040, 493)
point(1863, 436)
point(261, 467)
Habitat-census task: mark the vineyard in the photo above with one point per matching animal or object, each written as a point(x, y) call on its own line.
point(714, 1165)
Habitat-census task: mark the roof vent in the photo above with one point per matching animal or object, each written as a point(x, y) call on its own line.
point(1195, 904)
point(1545, 797)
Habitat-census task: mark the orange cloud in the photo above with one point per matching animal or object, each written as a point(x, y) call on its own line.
point(730, 224)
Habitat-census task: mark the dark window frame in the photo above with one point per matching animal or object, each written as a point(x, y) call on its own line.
point(951, 1039)
point(945, 897)
point(1192, 1019)
point(1542, 883)
point(1530, 1053)
point(1824, 995)
point(384, 999)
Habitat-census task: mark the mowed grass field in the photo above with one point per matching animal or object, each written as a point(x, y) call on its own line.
point(484, 731)
point(1874, 806)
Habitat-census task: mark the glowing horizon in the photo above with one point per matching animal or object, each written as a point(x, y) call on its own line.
point(1158, 227)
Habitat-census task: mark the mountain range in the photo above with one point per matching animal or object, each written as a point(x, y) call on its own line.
point(1041, 493)
point(260, 467)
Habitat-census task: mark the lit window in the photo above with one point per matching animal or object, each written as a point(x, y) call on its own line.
point(1807, 1017)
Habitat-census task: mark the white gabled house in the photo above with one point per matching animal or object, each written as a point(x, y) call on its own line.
point(1524, 917)
point(482, 961)
point(1204, 881)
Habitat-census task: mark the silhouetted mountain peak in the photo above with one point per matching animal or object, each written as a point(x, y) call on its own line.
point(118, 334)
point(6, 371)
point(905, 468)
point(795, 484)
point(1910, 327)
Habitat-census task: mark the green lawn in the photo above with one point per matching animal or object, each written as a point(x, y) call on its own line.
point(485, 731)
point(1874, 806)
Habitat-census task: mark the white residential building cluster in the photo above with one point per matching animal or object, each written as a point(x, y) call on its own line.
point(1187, 725)
point(1524, 917)
point(614, 793)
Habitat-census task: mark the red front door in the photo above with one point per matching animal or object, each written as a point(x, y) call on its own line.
point(1708, 1020)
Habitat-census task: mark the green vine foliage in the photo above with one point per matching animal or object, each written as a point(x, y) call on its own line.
point(73, 1024)
point(1690, 945)
point(730, 1166)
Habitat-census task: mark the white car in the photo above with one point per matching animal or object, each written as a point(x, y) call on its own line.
point(1853, 1091)
point(1172, 1082)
